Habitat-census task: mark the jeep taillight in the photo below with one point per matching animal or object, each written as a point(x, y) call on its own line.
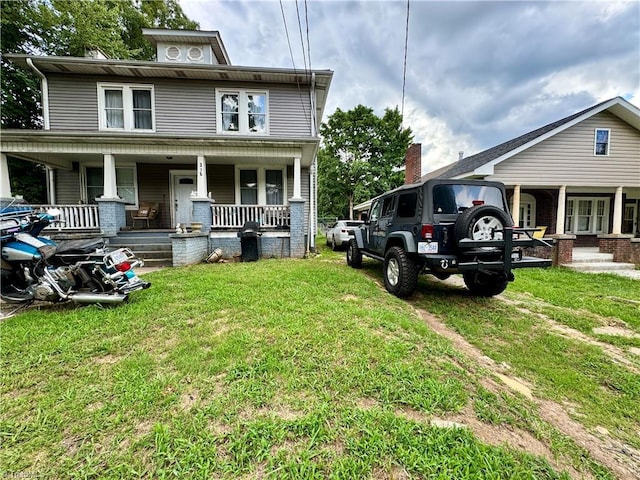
point(427, 232)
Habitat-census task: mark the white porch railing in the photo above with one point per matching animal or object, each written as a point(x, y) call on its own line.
point(73, 217)
point(235, 216)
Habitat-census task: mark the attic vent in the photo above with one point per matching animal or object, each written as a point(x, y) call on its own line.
point(195, 54)
point(172, 53)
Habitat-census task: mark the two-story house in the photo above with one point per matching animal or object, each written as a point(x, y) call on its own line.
point(198, 138)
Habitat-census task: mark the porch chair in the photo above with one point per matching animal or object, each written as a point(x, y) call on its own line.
point(540, 233)
point(147, 211)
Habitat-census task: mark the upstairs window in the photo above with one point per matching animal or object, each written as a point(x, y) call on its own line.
point(126, 107)
point(601, 147)
point(242, 111)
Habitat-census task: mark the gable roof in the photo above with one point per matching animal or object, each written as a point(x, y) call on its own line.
point(482, 163)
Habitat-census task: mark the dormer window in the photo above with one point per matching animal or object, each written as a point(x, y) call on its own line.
point(602, 137)
point(195, 54)
point(126, 107)
point(172, 53)
point(242, 111)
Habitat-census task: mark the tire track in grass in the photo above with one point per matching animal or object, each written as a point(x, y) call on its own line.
point(619, 458)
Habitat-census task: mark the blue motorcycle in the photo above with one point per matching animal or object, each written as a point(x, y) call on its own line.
point(81, 271)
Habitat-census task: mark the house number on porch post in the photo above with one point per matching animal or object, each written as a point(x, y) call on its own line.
point(202, 177)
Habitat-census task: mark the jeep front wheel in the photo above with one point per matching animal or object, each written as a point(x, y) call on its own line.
point(485, 284)
point(354, 255)
point(400, 272)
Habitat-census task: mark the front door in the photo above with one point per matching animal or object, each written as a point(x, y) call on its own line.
point(183, 187)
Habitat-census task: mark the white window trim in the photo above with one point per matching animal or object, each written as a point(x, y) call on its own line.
point(243, 114)
point(595, 141)
point(528, 199)
point(83, 181)
point(262, 182)
point(127, 104)
point(594, 213)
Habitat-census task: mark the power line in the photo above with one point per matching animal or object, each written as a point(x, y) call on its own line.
point(404, 73)
point(304, 55)
point(284, 20)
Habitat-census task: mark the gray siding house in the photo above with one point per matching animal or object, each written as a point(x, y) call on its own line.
point(578, 177)
point(200, 139)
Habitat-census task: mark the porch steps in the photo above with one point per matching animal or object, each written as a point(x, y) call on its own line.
point(153, 246)
point(591, 260)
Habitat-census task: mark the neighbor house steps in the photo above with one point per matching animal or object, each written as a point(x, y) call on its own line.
point(593, 261)
point(154, 247)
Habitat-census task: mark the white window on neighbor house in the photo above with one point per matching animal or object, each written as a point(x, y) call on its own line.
point(93, 180)
point(261, 186)
point(601, 142)
point(126, 107)
point(242, 111)
point(587, 216)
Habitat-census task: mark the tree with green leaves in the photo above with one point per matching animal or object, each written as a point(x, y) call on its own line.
point(69, 27)
point(361, 156)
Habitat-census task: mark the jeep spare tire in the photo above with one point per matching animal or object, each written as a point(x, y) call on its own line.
point(482, 222)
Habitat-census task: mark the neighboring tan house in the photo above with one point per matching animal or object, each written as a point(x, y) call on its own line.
point(578, 176)
point(200, 139)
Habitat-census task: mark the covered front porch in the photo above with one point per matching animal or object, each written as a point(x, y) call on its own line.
point(607, 219)
point(214, 191)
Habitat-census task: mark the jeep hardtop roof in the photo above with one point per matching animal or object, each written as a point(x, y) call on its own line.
point(439, 181)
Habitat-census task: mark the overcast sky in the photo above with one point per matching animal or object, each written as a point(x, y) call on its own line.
point(478, 72)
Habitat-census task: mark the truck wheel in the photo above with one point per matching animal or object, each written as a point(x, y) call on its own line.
point(400, 272)
point(354, 255)
point(481, 222)
point(485, 284)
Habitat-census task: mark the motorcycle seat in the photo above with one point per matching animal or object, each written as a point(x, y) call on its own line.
point(80, 246)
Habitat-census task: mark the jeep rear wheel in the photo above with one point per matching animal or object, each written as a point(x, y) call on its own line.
point(482, 222)
point(485, 284)
point(354, 255)
point(400, 272)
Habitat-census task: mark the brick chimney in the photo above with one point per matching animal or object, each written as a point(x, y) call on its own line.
point(413, 163)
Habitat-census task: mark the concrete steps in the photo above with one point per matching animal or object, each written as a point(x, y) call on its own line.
point(590, 260)
point(154, 247)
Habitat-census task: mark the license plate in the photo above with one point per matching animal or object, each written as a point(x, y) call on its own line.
point(427, 247)
point(118, 257)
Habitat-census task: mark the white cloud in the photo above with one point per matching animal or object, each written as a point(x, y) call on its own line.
point(478, 72)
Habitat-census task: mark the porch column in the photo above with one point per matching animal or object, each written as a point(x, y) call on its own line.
point(562, 199)
point(110, 185)
point(617, 212)
point(515, 207)
point(5, 184)
point(297, 180)
point(201, 178)
point(51, 185)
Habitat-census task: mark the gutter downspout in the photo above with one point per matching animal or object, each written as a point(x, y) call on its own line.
point(45, 94)
point(313, 177)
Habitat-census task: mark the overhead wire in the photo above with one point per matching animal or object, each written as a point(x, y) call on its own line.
point(293, 62)
point(404, 71)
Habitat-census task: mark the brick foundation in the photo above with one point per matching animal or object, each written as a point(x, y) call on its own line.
point(112, 215)
point(563, 249)
point(189, 248)
point(635, 251)
point(618, 245)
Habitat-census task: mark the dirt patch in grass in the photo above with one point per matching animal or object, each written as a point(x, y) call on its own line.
point(616, 354)
point(621, 459)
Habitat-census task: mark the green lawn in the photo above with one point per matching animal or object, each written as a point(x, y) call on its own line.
point(300, 369)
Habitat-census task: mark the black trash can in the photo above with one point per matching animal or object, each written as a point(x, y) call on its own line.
point(250, 241)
